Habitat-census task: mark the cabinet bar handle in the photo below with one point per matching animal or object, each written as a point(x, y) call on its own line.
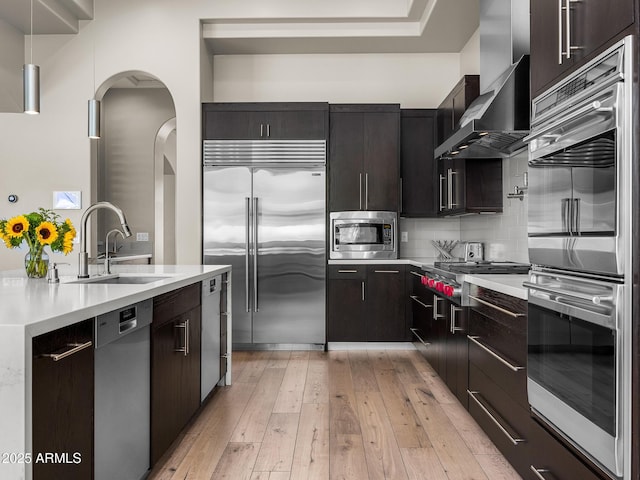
point(415, 273)
point(415, 299)
point(437, 315)
point(450, 189)
point(514, 441)
point(538, 472)
point(360, 189)
point(442, 206)
point(386, 271)
point(559, 32)
point(454, 311)
point(366, 191)
point(75, 348)
point(347, 271)
point(185, 326)
point(401, 194)
point(363, 291)
point(268, 129)
point(415, 332)
point(495, 307)
point(261, 130)
point(509, 365)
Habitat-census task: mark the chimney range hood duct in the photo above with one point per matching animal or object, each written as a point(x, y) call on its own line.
point(496, 122)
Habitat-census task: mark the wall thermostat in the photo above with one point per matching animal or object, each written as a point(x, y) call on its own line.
point(13, 198)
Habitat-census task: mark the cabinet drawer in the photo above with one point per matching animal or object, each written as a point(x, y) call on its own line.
point(552, 460)
point(503, 420)
point(507, 337)
point(169, 305)
point(347, 272)
point(510, 376)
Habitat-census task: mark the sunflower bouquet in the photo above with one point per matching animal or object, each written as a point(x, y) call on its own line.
point(38, 229)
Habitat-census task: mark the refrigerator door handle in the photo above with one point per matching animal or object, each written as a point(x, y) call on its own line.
point(246, 254)
point(255, 254)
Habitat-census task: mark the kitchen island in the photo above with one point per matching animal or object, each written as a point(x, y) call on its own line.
point(33, 307)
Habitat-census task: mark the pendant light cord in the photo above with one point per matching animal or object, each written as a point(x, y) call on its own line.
point(31, 28)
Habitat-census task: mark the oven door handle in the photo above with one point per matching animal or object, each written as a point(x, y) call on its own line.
point(595, 299)
point(595, 106)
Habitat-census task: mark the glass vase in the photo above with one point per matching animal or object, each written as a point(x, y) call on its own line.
point(36, 263)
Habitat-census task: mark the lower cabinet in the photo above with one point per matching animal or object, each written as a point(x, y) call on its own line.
point(62, 406)
point(439, 327)
point(175, 365)
point(366, 303)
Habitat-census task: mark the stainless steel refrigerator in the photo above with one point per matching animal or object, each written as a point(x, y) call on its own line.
point(264, 213)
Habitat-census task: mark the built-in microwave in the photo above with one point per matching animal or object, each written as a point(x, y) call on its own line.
point(363, 235)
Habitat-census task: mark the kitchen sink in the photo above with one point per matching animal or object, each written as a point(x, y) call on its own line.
point(124, 279)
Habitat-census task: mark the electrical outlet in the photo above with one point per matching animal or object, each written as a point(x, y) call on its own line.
point(404, 237)
point(142, 237)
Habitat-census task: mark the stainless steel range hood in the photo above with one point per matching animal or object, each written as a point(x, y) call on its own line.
point(496, 122)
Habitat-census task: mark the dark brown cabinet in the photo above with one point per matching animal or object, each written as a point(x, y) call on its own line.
point(592, 26)
point(265, 121)
point(456, 354)
point(454, 105)
point(366, 303)
point(62, 407)
point(364, 157)
point(175, 365)
point(418, 168)
point(469, 186)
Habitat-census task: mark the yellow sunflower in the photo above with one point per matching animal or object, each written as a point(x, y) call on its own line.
point(46, 233)
point(72, 229)
point(17, 226)
point(5, 238)
point(67, 242)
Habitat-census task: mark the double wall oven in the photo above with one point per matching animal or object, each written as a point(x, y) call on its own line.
point(580, 224)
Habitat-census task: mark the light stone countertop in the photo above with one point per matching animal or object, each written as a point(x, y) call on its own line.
point(30, 307)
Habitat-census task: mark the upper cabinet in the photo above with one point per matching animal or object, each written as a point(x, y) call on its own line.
point(565, 34)
point(265, 121)
point(418, 169)
point(451, 109)
point(364, 157)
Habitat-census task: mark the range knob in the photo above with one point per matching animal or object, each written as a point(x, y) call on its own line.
point(423, 280)
point(439, 286)
point(448, 290)
point(431, 283)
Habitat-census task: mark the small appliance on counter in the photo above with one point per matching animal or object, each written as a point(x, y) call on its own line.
point(473, 251)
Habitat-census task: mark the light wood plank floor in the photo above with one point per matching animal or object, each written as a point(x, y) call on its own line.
point(336, 415)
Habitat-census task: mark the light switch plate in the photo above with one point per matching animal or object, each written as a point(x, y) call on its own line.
point(404, 237)
point(142, 237)
point(65, 200)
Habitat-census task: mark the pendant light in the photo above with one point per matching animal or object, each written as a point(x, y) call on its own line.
point(93, 121)
point(31, 79)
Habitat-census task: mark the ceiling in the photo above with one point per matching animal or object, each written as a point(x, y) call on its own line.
point(293, 26)
point(422, 26)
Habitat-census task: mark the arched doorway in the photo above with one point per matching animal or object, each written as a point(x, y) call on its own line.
point(138, 128)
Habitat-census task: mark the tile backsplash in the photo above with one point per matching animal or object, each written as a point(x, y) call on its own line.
point(504, 235)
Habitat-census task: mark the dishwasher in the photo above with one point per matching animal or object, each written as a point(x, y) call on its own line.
point(122, 393)
point(210, 336)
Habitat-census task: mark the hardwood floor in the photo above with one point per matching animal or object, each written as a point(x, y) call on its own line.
point(335, 415)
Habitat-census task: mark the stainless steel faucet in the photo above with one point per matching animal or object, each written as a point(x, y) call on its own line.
point(83, 256)
point(107, 260)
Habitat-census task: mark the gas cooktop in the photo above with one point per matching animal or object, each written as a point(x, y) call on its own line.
point(484, 267)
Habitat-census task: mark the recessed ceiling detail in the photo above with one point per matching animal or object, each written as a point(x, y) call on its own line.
point(442, 26)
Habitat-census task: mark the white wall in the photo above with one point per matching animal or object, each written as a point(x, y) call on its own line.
point(12, 50)
point(162, 38)
point(131, 119)
point(413, 80)
point(470, 56)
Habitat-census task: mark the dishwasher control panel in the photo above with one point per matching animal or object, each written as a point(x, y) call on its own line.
point(113, 325)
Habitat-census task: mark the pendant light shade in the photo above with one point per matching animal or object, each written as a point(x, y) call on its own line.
point(31, 88)
point(94, 119)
